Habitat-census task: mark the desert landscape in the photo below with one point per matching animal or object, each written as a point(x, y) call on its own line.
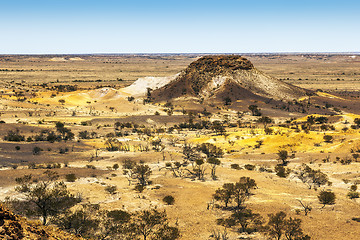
point(180, 146)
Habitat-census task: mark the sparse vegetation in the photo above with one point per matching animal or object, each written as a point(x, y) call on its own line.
point(44, 198)
point(279, 227)
point(188, 147)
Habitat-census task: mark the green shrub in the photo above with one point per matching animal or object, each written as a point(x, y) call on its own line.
point(235, 166)
point(115, 166)
point(140, 188)
point(326, 197)
point(14, 136)
point(249, 167)
point(281, 171)
point(353, 195)
point(328, 138)
point(36, 150)
point(90, 166)
point(111, 189)
point(70, 177)
point(169, 200)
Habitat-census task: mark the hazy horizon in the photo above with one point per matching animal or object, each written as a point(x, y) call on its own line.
point(179, 53)
point(147, 27)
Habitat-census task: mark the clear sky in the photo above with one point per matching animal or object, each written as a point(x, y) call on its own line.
point(178, 26)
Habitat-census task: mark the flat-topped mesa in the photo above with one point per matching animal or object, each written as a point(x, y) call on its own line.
point(220, 63)
point(222, 76)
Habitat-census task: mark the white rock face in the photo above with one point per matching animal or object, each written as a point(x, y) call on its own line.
point(212, 86)
point(105, 93)
point(140, 86)
point(265, 85)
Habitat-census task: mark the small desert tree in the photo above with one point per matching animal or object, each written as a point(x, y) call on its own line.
point(246, 218)
point(190, 153)
point(311, 120)
point(282, 157)
point(111, 189)
point(153, 224)
point(45, 198)
point(352, 194)
point(157, 145)
point(281, 171)
point(255, 111)
point(227, 100)
point(113, 225)
point(242, 190)
point(142, 173)
point(128, 166)
point(138, 172)
point(199, 169)
point(211, 150)
point(237, 192)
point(81, 222)
point(307, 208)
point(90, 221)
point(214, 163)
point(265, 121)
point(224, 194)
point(313, 178)
point(218, 127)
point(66, 133)
point(279, 228)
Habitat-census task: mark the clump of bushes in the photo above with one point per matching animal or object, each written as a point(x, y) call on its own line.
point(63, 150)
point(90, 166)
point(328, 138)
point(281, 171)
point(14, 136)
point(353, 193)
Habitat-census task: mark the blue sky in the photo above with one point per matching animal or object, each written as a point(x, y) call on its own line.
point(178, 26)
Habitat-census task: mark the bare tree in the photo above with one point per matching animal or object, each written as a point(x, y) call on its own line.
point(307, 208)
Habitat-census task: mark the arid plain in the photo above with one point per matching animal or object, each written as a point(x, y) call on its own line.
point(113, 123)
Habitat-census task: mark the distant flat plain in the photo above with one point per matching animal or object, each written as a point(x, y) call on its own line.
point(329, 72)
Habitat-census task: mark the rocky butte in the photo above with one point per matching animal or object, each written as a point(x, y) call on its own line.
point(226, 76)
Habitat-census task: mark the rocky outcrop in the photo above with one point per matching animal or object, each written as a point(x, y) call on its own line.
point(230, 76)
point(15, 227)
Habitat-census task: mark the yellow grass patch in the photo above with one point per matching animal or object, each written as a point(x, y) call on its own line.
point(323, 94)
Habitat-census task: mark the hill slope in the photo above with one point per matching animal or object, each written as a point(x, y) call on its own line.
point(223, 76)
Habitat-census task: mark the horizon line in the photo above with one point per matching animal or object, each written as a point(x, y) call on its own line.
point(178, 53)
